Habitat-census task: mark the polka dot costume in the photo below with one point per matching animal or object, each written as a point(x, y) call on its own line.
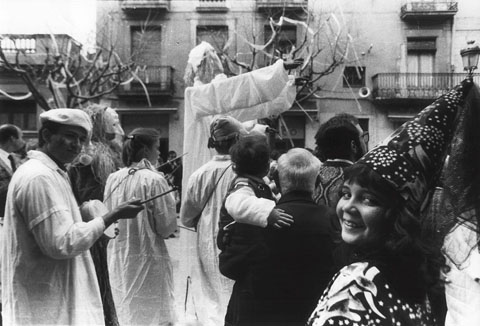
point(412, 157)
point(359, 296)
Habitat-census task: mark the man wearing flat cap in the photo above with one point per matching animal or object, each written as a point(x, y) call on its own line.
point(48, 276)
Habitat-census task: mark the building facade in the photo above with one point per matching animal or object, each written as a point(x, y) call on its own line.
point(402, 55)
point(408, 53)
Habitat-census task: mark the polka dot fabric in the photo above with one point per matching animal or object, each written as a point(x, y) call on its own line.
point(359, 295)
point(411, 158)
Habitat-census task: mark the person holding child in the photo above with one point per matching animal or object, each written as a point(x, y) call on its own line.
point(248, 209)
point(279, 269)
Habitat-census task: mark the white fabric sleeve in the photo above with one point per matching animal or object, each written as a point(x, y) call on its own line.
point(161, 211)
point(270, 91)
point(244, 207)
point(191, 203)
point(58, 238)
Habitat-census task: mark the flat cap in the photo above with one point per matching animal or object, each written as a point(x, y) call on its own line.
point(71, 117)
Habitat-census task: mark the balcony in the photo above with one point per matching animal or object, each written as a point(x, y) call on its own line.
point(131, 5)
point(212, 5)
point(157, 79)
point(397, 87)
point(265, 5)
point(428, 10)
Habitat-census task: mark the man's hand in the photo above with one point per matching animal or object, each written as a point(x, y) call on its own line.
point(126, 210)
point(292, 64)
point(129, 209)
point(279, 219)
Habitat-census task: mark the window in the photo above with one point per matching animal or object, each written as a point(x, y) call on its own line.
point(20, 113)
point(216, 35)
point(146, 44)
point(354, 77)
point(284, 40)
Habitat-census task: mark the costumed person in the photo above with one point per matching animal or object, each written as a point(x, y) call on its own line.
point(138, 261)
point(88, 174)
point(278, 271)
point(461, 193)
point(48, 276)
point(380, 210)
point(204, 195)
point(258, 94)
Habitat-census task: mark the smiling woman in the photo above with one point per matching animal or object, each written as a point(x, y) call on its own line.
point(365, 207)
point(392, 270)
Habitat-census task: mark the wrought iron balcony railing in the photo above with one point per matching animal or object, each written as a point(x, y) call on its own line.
point(157, 79)
point(212, 5)
point(428, 9)
point(145, 4)
point(287, 4)
point(389, 86)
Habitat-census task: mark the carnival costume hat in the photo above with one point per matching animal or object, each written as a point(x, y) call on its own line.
point(412, 157)
point(225, 128)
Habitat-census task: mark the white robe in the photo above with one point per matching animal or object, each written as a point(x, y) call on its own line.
point(138, 261)
point(48, 276)
point(462, 289)
point(210, 289)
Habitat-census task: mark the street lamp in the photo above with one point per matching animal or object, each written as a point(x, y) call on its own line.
point(470, 58)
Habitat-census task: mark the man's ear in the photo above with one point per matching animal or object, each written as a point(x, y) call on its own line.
point(46, 135)
point(354, 147)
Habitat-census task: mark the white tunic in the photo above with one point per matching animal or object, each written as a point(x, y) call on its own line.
point(48, 276)
point(138, 261)
point(462, 289)
point(210, 289)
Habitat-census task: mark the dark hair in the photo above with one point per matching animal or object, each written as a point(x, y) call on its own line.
point(137, 144)
point(251, 156)
point(334, 137)
point(7, 131)
point(51, 126)
point(223, 146)
point(410, 262)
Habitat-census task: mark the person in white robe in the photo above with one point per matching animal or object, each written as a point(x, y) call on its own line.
point(262, 93)
point(48, 276)
point(138, 260)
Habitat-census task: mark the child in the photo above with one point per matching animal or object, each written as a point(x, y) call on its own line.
point(248, 207)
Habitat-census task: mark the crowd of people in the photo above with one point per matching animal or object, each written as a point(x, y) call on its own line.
point(348, 237)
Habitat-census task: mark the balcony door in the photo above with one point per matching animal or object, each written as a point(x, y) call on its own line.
point(420, 62)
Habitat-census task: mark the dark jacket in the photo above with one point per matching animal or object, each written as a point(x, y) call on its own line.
point(283, 288)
